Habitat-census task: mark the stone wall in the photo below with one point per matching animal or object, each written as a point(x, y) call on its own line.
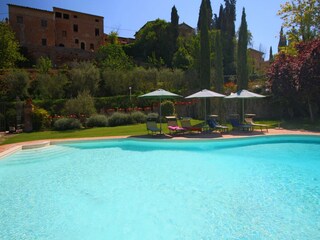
point(60, 55)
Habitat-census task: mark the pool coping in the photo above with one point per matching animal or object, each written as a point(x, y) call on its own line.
point(8, 149)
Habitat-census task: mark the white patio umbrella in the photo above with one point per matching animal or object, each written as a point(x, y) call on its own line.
point(205, 94)
point(244, 94)
point(160, 94)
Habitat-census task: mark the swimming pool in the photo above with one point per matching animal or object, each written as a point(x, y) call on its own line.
point(253, 188)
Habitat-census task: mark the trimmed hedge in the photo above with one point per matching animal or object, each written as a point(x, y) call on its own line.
point(97, 121)
point(119, 119)
point(138, 117)
point(66, 124)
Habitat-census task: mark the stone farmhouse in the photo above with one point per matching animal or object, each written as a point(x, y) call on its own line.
point(62, 35)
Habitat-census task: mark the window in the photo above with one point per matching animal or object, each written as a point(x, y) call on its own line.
point(76, 41)
point(58, 15)
point(44, 42)
point(64, 33)
point(66, 16)
point(83, 46)
point(97, 20)
point(75, 27)
point(97, 32)
point(92, 47)
point(75, 16)
point(61, 45)
point(19, 19)
point(44, 23)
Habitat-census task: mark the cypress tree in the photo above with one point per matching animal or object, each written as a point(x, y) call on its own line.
point(270, 55)
point(209, 17)
point(218, 63)
point(204, 47)
point(227, 18)
point(174, 30)
point(242, 68)
point(282, 40)
point(218, 79)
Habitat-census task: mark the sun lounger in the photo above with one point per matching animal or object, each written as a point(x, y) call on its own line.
point(173, 125)
point(152, 127)
point(237, 125)
point(186, 124)
point(261, 126)
point(215, 126)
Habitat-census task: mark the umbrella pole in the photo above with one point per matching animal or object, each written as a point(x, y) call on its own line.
point(243, 110)
point(160, 116)
point(205, 111)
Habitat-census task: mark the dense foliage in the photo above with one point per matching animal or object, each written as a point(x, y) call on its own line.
point(295, 80)
point(302, 19)
point(9, 47)
point(67, 124)
point(242, 66)
point(98, 120)
point(204, 47)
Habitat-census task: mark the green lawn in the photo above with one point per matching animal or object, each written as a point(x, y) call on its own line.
point(133, 130)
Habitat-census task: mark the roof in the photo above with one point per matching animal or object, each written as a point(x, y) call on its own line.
point(63, 9)
point(54, 8)
point(185, 25)
point(254, 50)
point(13, 5)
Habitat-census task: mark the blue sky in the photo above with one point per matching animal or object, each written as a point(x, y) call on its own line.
point(127, 17)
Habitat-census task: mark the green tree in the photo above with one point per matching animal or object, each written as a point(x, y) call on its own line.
point(113, 38)
point(218, 63)
point(46, 86)
point(301, 18)
point(175, 29)
point(204, 47)
point(242, 66)
point(182, 59)
point(44, 64)
point(270, 55)
point(282, 40)
point(227, 17)
point(16, 84)
point(113, 56)
point(153, 41)
point(209, 17)
point(82, 106)
point(9, 47)
point(218, 73)
point(83, 76)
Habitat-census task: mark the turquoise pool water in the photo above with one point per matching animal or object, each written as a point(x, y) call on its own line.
point(257, 188)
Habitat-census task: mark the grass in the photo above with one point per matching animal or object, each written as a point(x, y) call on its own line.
point(134, 130)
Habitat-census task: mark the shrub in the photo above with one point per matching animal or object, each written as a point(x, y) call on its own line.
point(153, 116)
point(83, 104)
point(118, 119)
point(67, 124)
point(40, 119)
point(97, 121)
point(167, 108)
point(138, 117)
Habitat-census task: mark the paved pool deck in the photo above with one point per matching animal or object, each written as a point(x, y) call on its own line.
point(10, 148)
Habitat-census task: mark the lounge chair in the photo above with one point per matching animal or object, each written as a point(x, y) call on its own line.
point(237, 125)
point(173, 125)
point(186, 124)
point(261, 126)
point(216, 126)
point(152, 127)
